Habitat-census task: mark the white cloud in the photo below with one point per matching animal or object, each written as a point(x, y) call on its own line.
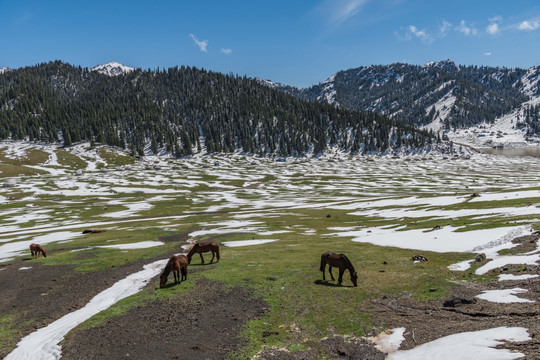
point(493, 27)
point(201, 44)
point(421, 34)
point(488, 53)
point(340, 11)
point(465, 29)
point(529, 25)
point(226, 51)
point(445, 28)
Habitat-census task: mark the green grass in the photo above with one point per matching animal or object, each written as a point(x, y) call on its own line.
point(115, 158)
point(66, 158)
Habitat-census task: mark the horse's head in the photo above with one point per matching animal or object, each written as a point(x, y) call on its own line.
point(354, 278)
point(162, 281)
point(44, 253)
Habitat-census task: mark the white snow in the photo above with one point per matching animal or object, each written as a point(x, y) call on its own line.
point(17, 248)
point(237, 243)
point(474, 345)
point(137, 245)
point(389, 341)
point(504, 296)
point(43, 344)
point(511, 277)
point(445, 239)
point(112, 69)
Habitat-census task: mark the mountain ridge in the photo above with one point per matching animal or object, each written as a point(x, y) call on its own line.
point(440, 96)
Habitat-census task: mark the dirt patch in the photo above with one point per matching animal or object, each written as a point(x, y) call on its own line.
point(337, 347)
point(35, 297)
point(202, 325)
point(431, 320)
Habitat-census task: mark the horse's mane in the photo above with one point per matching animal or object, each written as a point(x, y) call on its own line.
point(349, 264)
point(167, 269)
point(193, 249)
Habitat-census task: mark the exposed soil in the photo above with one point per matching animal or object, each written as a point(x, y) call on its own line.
point(428, 321)
point(33, 298)
point(204, 325)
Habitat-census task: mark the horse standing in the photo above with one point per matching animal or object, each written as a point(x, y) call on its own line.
point(204, 247)
point(37, 250)
point(176, 264)
point(340, 261)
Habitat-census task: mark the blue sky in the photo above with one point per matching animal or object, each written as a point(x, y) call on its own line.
point(295, 42)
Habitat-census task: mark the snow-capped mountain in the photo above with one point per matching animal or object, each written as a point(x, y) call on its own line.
point(112, 69)
point(498, 105)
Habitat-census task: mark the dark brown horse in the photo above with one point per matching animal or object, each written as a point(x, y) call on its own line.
point(340, 261)
point(176, 264)
point(36, 250)
point(204, 247)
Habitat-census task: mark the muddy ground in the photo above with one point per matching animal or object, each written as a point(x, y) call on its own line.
point(207, 324)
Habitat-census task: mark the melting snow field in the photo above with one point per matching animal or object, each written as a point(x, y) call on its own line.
point(489, 200)
point(505, 296)
point(474, 345)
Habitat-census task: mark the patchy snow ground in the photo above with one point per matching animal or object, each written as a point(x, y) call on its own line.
point(474, 345)
point(249, 191)
point(44, 343)
point(505, 296)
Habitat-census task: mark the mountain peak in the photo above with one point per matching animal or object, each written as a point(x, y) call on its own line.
point(444, 64)
point(112, 69)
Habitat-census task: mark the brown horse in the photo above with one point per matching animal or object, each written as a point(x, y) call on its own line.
point(204, 247)
point(340, 261)
point(176, 264)
point(36, 250)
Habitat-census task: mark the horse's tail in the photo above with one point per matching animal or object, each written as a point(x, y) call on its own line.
point(323, 261)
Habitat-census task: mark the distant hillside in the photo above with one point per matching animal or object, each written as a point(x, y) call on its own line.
point(438, 95)
point(185, 110)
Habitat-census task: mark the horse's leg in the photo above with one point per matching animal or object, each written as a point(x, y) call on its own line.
point(184, 273)
point(340, 279)
point(213, 255)
point(202, 259)
point(323, 271)
point(330, 271)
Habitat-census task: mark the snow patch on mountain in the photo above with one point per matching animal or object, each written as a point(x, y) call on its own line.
point(529, 81)
point(112, 69)
point(329, 91)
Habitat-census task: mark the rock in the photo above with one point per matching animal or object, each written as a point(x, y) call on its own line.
point(437, 227)
point(419, 258)
point(480, 257)
point(457, 301)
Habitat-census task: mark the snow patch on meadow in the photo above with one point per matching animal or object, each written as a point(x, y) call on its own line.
point(237, 243)
point(505, 296)
point(474, 345)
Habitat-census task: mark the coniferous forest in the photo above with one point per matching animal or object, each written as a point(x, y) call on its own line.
point(185, 110)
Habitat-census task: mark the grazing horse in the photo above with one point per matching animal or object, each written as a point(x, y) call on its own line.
point(176, 264)
point(204, 247)
point(340, 261)
point(36, 249)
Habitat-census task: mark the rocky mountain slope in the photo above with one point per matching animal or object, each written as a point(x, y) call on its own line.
point(440, 96)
